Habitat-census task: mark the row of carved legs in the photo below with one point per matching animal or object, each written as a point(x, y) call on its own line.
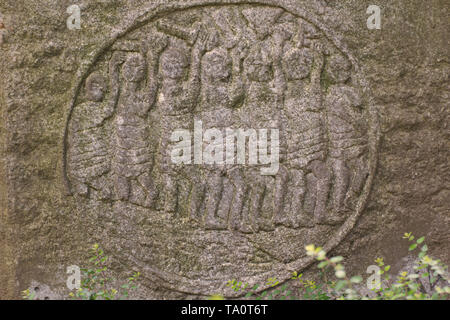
point(240, 198)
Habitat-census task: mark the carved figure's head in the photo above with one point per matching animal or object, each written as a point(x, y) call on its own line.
point(134, 68)
point(338, 69)
point(297, 63)
point(95, 87)
point(217, 65)
point(258, 65)
point(174, 63)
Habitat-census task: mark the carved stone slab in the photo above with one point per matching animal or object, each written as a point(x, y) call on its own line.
point(241, 65)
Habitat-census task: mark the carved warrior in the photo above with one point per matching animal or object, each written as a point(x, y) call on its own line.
point(348, 143)
point(259, 68)
point(133, 160)
point(89, 158)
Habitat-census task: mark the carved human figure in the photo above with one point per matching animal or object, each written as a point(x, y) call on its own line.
point(89, 156)
point(222, 92)
point(348, 141)
point(222, 84)
point(133, 160)
point(304, 131)
point(180, 89)
point(265, 87)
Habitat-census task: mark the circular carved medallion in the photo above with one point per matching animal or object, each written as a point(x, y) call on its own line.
point(205, 71)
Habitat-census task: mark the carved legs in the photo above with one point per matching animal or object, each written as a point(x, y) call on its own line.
point(341, 180)
point(147, 182)
point(320, 185)
point(122, 187)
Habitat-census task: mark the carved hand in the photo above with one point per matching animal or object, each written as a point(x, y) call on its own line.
point(202, 41)
point(160, 44)
point(242, 49)
point(117, 58)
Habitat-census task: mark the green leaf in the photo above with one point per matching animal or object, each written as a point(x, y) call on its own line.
point(387, 268)
point(420, 240)
point(323, 264)
point(412, 247)
point(336, 259)
point(230, 282)
point(356, 279)
point(340, 284)
point(424, 248)
point(413, 286)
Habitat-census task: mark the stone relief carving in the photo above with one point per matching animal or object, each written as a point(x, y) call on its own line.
point(230, 67)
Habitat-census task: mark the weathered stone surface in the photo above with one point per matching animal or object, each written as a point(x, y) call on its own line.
point(87, 117)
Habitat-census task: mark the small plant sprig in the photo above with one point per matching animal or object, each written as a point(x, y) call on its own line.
point(409, 286)
point(28, 295)
point(406, 285)
point(344, 283)
point(236, 285)
point(309, 289)
point(95, 283)
point(432, 270)
point(281, 293)
point(131, 284)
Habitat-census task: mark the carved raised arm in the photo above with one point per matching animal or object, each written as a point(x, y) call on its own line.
point(116, 61)
point(280, 80)
point(236, 90)
point(192, 88)
point(170, 28)
point(319, 62)
point(153, 78)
